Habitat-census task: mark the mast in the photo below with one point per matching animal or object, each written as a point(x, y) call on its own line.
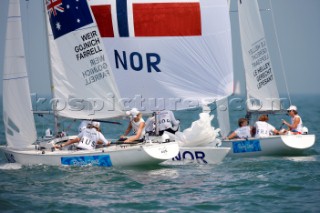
point(56, 120)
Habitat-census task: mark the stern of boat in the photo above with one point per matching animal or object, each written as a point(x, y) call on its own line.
point(300, 142)
point(162, 151)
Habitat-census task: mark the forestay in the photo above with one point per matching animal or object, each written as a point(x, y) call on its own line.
point(83, 83)
point(18, 116)
point(260, 78)
point(170, 54)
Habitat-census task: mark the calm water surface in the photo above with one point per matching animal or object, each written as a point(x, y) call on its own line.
point(264, 184)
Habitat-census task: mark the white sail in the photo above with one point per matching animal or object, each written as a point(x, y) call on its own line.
point(83, 84)
point(17, 109)
point(170, 54)
point(262, 92)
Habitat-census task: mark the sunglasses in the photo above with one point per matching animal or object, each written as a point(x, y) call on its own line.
point(289, 111)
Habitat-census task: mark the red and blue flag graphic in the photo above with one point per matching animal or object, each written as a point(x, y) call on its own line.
point(135, 18)
point(67, 16)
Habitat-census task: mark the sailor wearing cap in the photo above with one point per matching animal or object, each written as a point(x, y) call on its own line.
point(296, 121)
point(88, 138)
point(137, 124)
point(165, 120)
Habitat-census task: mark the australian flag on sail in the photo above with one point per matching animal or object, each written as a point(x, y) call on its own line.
point(67, 15)
point(147, 18)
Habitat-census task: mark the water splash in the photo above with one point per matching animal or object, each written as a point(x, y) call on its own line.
point(10, 166)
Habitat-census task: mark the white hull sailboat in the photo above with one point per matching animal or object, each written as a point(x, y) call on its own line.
point(161, 55)
point(283, 145)
point(68, 85)
point(262, 92)
point(121, 155)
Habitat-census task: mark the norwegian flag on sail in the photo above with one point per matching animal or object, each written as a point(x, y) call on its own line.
point(140, 18)
point(67, 15)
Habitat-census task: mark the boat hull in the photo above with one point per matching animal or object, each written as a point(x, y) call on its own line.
point(284, 145)
point(201, 155)
point(114, 155)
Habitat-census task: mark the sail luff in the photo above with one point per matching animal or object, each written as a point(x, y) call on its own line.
point(17, 108)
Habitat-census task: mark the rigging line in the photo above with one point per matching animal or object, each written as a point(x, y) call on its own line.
point(26, 37)
point(280, 55)
point(7, 79)
point(261, 10)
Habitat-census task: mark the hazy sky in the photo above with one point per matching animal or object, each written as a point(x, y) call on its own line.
point(297, 24)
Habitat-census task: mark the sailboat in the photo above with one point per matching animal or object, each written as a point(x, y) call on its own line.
point(262, 92)
point(83, 87)
point(173, 55)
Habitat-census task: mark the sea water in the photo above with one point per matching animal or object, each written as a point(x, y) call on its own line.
point(259, 184)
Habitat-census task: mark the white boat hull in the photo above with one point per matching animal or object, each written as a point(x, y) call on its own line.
point(201, 155)
point(114, 155)
point(270, 146)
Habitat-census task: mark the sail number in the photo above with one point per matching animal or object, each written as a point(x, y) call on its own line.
point(137, 61)
point(198, 156)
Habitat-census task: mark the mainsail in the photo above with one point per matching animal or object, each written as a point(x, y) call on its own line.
point(170, 54)
point(83, 83)
point(17, 109)
point(262, 92)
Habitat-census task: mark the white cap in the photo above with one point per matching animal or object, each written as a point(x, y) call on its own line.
point(96, 124)
point(292, 107)
point(133, 112)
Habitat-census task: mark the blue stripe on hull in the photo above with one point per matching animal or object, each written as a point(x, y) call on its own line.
point(97, 160)
point(246, 146)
